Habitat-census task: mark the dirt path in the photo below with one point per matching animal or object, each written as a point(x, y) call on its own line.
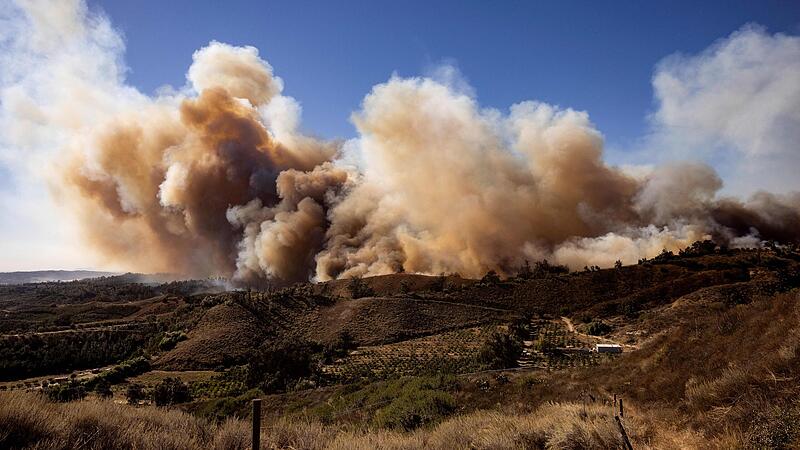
point(602, 340)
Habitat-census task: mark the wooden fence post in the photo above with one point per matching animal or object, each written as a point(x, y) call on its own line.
point(256, 423)
point(624, 435)
point(621, 409)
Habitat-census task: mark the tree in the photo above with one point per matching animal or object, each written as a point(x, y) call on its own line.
point(273, 368)
point(103, 389)
point(500, 351)
point(618, 264)
point(358, 288)
point(598, 328)
point(135, 393)
point(344, 341)
point(491, 277)
point(525, 270)
point(66, 392)
point(171, 391)
point(699, 248)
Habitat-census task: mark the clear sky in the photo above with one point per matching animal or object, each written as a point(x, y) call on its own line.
point(597, 56)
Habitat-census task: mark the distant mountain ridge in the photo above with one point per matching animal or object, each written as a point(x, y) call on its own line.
point(39, 276)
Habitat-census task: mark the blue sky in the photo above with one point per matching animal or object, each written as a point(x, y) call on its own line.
point(593, 56)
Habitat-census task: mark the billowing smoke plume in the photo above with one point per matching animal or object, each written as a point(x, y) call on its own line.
point(216, 179)
point(200, 185)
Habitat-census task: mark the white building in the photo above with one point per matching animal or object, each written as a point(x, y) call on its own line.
point(607, 348)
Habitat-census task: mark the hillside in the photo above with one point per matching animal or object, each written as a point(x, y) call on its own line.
point(710, 339)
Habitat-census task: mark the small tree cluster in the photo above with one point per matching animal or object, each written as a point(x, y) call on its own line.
point(275, 367)
point(500, 351)
point(170, 391)
point(338, 348)
point(490, 278)
point(598, 328)
point(699, 248)
point(66, 392)
point(358, 288)
point(540, 269)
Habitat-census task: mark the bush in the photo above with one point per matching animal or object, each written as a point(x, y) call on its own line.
point(358, 288)
point(598, 328)
point(415, 408)
point(490, 278)
point(413, 401)
point(121, 372)
point(135, 393)
point(66, 392)
point(339, 347)
point(170, 391)
point(699, 248)
point(224, 408)
point(273, 368)
point(500, 351)
point(103, 389)
point(171, 339)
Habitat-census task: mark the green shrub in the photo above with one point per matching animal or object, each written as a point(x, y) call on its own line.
point(170, 391)
point(135, 393)
point(66, 392)
point(500, 351)
point(598, 328)
point(415, 408)
point(339, 347)
point(223, 408)
point(121, 372)
point(171, 339)
point(103, 389)
point(275, 367)
point(402, 403)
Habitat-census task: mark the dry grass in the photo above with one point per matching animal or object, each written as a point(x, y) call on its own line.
point(29, 421)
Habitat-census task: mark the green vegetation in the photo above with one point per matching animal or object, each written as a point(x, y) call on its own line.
point(135, 393)
point(170, 391)
point(223, 408)
point(598, 328)
point(66, 392)
point(500, 351)
point(171, 339)
point(42, 354)
point(405, 403)
point(275, 367)
point(230, 383)
point(121, 372)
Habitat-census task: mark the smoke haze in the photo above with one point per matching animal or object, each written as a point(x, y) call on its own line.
point(217, 179)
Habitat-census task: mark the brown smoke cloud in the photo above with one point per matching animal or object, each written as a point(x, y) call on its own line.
point(203, 186)
point(216, 179)
point(172, 188)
